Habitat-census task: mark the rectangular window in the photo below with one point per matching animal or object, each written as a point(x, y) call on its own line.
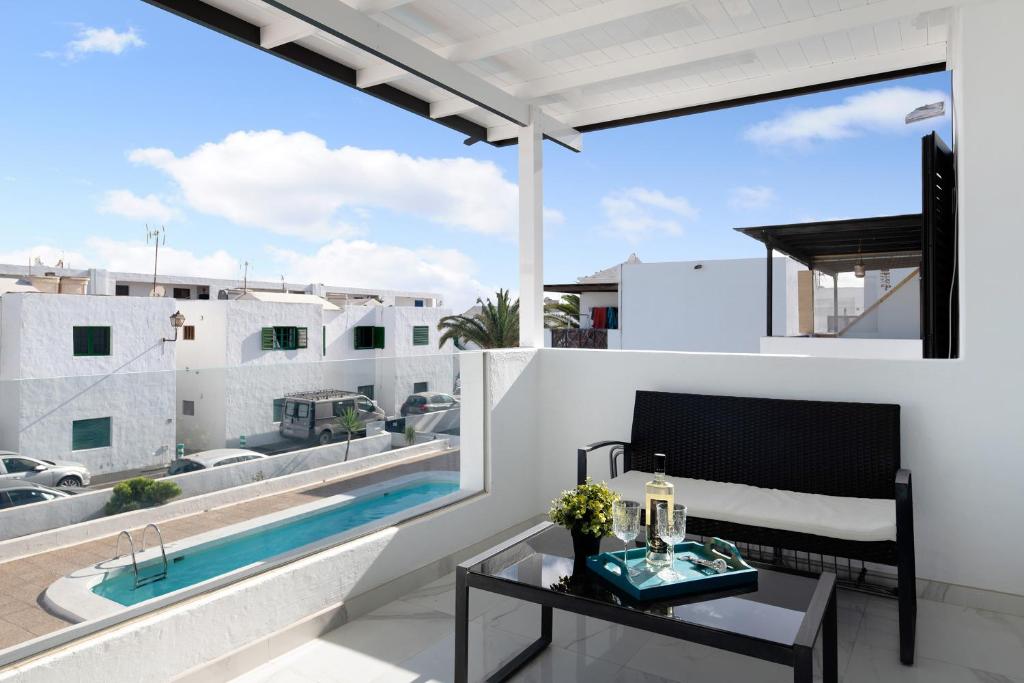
point(420, 387)
point(121, 290)
point(182, 293)
point(93, 433)
point(278, 409)
point(92, 341)
point(188, 408)
point(283, 338)
point(189, 333)
point(419, 303)
point(366, 390)
point(420, 335)
point(367, 337)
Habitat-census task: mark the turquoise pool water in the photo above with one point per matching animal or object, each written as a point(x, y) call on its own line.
point(225, 555)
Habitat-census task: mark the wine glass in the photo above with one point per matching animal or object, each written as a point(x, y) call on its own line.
point(625, 526)
point(672, 530)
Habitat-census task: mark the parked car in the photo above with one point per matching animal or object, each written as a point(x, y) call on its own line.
point(213, 458)
point(428, 402)
point(15, 492)
point(46, 472)
point(316, 415)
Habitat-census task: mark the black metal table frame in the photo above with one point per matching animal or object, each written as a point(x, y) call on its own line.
point(819, 616)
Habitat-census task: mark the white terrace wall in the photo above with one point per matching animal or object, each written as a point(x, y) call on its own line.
point(134, 386)
point(719, 307)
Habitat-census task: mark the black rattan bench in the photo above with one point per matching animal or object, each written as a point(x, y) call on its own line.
point(846, 450)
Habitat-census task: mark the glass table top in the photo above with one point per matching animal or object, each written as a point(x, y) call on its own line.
point(773, 610)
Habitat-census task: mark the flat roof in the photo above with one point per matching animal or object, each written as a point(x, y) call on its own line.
point(837, 246)
point(477, 66)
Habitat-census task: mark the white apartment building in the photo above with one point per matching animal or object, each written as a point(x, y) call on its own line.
point(87, 378)
point(719, 306)
point(238, 359)
point(186, 287)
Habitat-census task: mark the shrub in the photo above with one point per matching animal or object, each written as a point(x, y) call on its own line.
point(140, 492)
point(410, 435)
point(586, 508)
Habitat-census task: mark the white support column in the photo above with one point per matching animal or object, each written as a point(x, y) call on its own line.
point(531, 234)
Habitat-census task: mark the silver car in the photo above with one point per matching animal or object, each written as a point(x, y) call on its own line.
point(15, 492)
point(45, 472)
point(213, 458)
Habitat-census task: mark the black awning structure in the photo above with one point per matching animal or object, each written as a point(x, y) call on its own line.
point(581, 287)
point(926, 240)
point(834, 247)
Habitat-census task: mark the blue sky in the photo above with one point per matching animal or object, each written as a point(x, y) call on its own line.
point(117, 114)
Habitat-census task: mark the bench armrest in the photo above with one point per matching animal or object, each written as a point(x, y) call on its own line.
point(581, 458)
point(904, 505)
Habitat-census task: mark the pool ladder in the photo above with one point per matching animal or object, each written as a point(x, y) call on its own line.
point(152, 578)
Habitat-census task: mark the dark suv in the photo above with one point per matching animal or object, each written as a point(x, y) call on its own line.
point(428, 402)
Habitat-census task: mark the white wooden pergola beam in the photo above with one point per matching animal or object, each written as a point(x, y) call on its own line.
point(378, 74)
point(570, 22)
point(375, 6)
point(781, 34)
point(285, 30)
point(450, 107)
point(509, 39)
point(356, 28)
point(751, 87)
point(807, 77)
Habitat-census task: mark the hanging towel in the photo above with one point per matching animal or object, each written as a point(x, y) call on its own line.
point(598, 317)
point(613, 318)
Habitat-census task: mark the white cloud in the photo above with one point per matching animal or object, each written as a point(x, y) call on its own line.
point(130, 205)
point(47, 254)
point(107, 40)
point(137, 257)
point(754, 197)
point(294, 184)
point(553, 216)
point(635, 212)
point(875, 111)
point(367, 264)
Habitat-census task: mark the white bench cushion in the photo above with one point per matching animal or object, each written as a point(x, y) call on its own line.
point(852, 519)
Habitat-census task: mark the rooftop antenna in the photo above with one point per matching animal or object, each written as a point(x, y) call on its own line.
point(158, 235)
point(245, 279)
point(283, 289)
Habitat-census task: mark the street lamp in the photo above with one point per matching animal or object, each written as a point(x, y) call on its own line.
point(177, 320)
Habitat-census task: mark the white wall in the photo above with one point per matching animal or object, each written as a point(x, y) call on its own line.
point(832, 347)
point(134, 386)
point(898, 317)
point(719, 307)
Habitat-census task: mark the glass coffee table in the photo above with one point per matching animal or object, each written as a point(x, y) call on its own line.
point(778, 620)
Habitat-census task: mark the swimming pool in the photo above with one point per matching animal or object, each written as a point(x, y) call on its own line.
point(199, 563)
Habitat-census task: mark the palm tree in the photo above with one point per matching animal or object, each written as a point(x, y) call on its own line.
point(350, 422)
point(563, 313)
point(494, 326)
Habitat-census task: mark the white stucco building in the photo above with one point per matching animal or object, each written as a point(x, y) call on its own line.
point(87, 378)
point(232, 374)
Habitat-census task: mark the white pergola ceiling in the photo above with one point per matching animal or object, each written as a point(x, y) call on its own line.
point(589, 64)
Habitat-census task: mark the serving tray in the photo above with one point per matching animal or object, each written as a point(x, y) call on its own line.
point(648, 585)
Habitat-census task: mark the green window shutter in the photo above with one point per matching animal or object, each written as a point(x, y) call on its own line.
point(363, 337)
point(323, 333)
point(91, 341)
point(93, 433)
point(267, 339)
point(301, 337)
point(378, 337)
point(420, 335)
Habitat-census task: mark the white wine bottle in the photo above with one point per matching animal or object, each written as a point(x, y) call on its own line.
point(657, 491)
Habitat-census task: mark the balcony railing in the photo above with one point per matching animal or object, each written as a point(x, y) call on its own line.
point(574, 338)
